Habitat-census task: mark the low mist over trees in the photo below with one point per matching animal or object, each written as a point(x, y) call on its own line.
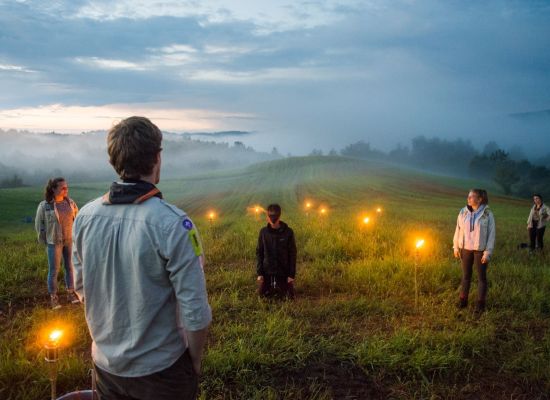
point(521, 177)
point(28, 158)
point(31, 158)
point(361, 150)
point(447, 156)
point(13, 182)
point(511, 170)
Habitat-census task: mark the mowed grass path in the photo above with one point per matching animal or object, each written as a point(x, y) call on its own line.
point(353, 332)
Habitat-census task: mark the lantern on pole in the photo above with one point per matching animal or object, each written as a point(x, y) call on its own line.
point(211, 217)
point(52, 356)
point(52, 343)
point(419, 244)
point(308, 206)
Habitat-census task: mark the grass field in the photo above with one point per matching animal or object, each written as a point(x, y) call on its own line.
point(353, 332)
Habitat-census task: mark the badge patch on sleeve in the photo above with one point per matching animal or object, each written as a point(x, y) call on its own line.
point(187, 224)
point(197, 248)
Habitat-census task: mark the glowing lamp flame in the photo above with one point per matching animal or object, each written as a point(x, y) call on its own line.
point(257, 210)
point(308, 205)
point(323, 210)
point(52, 353)
point(55, 336)
point(420, 243)
point(366, 220)
point(379, 210)
point(211, 215)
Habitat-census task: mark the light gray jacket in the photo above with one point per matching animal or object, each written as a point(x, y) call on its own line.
point(544, 216)
point(47, 224)
point(139, 272)
point(484, 231)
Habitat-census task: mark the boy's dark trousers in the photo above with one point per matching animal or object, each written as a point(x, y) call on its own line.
point(276, 286)
point(536, 237)
point(179, 381)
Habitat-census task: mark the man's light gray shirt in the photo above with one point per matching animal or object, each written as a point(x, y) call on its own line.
point(138, 271)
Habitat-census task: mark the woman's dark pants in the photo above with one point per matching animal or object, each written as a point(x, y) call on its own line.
point(536, 236)
point(471, 259)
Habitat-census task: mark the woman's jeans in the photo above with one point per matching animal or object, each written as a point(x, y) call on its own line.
point(471, 259)
point(55, 252)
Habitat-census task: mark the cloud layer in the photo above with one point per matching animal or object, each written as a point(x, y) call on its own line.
point(301, 74)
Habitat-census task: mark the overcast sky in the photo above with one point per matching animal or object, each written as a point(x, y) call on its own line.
point(298, 74)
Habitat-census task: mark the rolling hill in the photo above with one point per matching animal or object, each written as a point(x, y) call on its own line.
point(354, 331)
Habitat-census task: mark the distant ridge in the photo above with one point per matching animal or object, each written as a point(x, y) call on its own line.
point(532, 115)
point(218, 134)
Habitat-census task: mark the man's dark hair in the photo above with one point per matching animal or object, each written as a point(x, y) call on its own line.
point(275, 208)
point(133, 146)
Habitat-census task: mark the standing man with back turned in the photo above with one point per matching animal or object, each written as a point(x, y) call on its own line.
point(138, 270)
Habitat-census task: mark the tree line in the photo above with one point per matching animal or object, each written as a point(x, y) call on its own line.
point(511, 169)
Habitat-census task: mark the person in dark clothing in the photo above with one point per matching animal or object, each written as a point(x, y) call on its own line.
point(276, 257)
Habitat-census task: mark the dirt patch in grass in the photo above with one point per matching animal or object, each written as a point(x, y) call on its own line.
point(8, 309)
point(342, 379)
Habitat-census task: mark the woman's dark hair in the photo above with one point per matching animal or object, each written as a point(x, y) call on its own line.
point(50, 187)
point(539, 196)
point(482, 194)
